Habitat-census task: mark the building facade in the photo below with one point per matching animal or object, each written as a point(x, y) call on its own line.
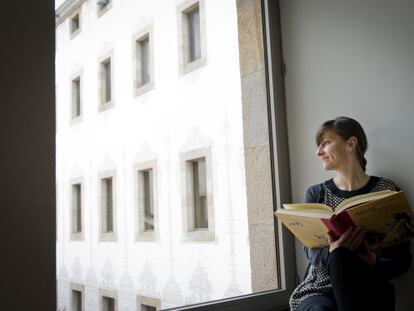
point(162, 165)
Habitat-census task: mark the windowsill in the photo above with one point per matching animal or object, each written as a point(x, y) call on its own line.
point(107, 237)
point(200, 236)
point(147, 236)
point(189, 67)
point(75, 33)
point(77, 237)
point(106, 106)
point(76, 120)
point(144, 88)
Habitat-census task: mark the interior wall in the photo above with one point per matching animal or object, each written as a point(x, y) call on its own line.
point(27, 260)
point(351, 58)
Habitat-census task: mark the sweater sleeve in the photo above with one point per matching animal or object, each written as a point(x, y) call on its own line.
point(317, 256)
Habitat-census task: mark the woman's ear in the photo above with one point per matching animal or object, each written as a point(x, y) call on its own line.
point(352, 142)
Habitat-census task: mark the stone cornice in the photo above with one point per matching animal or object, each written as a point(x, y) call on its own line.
point(66, 9)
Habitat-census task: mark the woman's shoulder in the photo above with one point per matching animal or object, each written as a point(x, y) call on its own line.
point(314, 193)
point(383, 183)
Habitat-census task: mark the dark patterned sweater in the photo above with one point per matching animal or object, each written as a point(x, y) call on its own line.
point(391, 261)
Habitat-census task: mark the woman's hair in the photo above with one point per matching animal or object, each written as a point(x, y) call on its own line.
point(345, 128)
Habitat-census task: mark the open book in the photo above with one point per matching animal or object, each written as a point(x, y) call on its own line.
point(385, 215)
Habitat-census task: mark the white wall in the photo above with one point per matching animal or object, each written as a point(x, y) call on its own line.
point(352, 58)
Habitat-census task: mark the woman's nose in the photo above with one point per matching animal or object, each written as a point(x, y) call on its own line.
point(319, 151)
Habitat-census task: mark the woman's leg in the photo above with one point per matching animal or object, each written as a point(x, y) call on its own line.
point(355, 285)
point(318, 303)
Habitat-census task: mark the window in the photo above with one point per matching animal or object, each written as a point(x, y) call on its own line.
point(108, 300)
point(148, 304)
point(194, 44)
point(143, 78)
point(103, 6)
point(106, 84)
point(77, 210)
point(147, 198)
point(192, 49)
point(76, 99)
point(77, 297)
point(198, 195)
point(75, 24)
point(107, 207)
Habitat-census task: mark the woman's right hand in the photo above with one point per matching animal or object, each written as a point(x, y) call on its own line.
point(351, 239)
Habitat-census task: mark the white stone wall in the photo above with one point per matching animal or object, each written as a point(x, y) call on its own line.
point(199, 109)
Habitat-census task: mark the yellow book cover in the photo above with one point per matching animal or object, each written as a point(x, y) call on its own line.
point(385, 215)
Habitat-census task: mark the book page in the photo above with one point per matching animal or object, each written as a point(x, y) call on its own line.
point(310, 231)
point(359, 199)
point(387, 221)
point(308, 207)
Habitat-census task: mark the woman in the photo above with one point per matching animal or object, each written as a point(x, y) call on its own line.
point(348, 275)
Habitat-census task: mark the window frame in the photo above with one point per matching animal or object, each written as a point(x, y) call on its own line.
point(192, 234)
point(77, 236)
point(76, 76)
point(140, 233)
point(80, 288)
point(107, 236)
point(149, 301)
point(139, 87)
point(185, 65)
point(107, 104)
point(74, 33)
point(103, 292)
point(102, 10)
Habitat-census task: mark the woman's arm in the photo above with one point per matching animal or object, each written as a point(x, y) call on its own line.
point(317, 256)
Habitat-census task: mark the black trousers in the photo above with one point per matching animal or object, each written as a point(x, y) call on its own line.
point(356, 287)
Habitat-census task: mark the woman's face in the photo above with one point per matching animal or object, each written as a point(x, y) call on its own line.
point(334, 151)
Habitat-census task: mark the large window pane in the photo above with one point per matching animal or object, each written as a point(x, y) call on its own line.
point(188, 216)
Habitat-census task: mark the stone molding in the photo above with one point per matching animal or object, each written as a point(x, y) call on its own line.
point(66, 10)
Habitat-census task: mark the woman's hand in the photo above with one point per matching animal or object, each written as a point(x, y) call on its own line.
point(353, 239)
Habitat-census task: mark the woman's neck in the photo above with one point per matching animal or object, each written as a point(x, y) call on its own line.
point(352, 179)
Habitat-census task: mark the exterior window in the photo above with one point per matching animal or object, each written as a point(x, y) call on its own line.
point(148, 308)
point(199, 193)
point(107, 208)
point(198, 205)
point(76, 98)
point(103, 6)
point(147, 200)
point(106, 81)
point(192, 49)
point(143, 77)
point(148, 304)
point(77, 297)
point(193, 18)
point(77, 210)
point(107, 205)
point(75, 25)
point(76, 300)
point(108, 300)
point(144, 60)
point(108, 304)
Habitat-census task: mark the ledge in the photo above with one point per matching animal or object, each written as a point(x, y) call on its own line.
point(66, 9)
